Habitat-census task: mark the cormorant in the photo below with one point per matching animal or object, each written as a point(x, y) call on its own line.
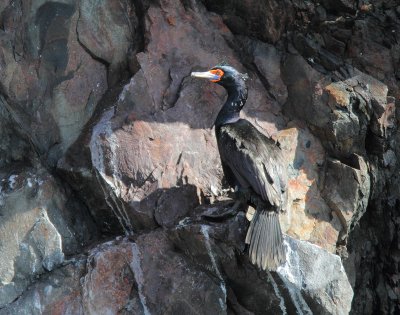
point(253, 164)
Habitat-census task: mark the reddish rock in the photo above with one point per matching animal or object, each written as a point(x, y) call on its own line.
point(149, 277)
point(338, 95)
point(158, 136)
point(308, 216)
point(267, 60)
point(140, 152)
point(370, 55)
point(107, 286)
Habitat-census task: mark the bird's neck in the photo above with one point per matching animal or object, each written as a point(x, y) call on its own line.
point(230, 112)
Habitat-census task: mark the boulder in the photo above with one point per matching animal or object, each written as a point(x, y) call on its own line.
point(146, 276)
point(107, 30)
point(56, 292)
point(312, 280)
point(40, 226)
point(157, 135)
point(52, 84)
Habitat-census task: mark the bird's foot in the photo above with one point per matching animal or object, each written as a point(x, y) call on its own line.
point(250, 213)
point(220, 214)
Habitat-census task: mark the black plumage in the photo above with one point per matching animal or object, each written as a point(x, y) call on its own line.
point(253, 163)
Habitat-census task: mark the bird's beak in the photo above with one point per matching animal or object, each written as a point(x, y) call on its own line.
point(206, 75)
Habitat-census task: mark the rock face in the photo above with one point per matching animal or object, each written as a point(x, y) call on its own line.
point(108, 156)
point(40, 225)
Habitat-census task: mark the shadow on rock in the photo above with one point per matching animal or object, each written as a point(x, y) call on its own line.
point(297, 286)
point(156, 132)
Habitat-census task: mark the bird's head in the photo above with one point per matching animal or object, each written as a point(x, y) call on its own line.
point(224, 75)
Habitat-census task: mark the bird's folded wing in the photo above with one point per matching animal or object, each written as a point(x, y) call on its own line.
point(256, 161)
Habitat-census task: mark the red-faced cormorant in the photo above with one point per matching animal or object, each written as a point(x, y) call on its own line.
point(253, 164)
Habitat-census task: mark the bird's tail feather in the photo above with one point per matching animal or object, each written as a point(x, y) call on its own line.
point(266, 242)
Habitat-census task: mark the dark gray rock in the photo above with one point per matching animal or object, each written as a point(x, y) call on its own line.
point(14, 145)
point(108, 30)
point(316, 280)
point(100, 121)
point(350, 199)
point(171, 206)
point(39, 226)
point(265, 20)
point(50, 84)
point(267, 60)
point(312, 281)
point(56, 292)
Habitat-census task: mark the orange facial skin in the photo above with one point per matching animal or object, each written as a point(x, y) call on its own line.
point(218, 72)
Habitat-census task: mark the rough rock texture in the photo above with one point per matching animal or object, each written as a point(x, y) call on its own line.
point(50, 84)
point(311, 281)
point(40, 224)
point(104, 134)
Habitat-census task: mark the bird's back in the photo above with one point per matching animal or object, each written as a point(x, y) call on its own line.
point(254, 160)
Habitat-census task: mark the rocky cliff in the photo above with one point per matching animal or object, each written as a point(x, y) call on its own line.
point(109, 161)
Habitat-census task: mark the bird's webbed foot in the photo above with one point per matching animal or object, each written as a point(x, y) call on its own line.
point(220, 214)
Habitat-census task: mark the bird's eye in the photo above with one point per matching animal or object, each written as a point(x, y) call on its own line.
point(219, 73)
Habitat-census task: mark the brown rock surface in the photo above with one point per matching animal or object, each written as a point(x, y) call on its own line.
point(50, 83)
point(308, 216)
point(101, 122)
